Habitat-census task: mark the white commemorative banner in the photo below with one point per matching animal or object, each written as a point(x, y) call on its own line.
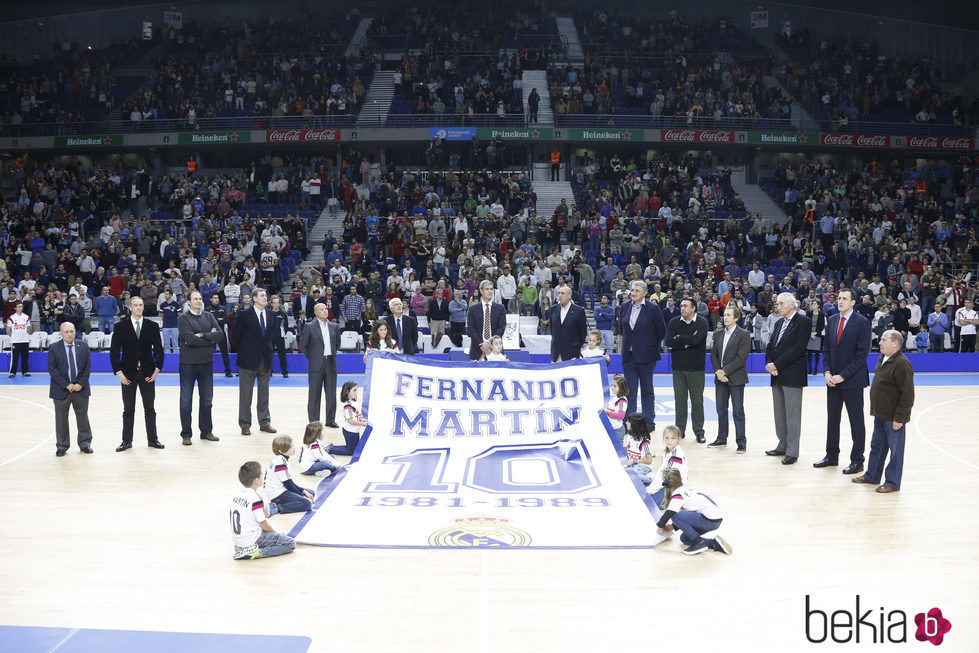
point(483, 455)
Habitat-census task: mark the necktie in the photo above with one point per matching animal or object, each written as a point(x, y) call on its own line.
point(72, 373)
point(261, 321)
point(397, 328)
point(487, 332)
point(139, 325)
point(781, 331)
point(839, 331)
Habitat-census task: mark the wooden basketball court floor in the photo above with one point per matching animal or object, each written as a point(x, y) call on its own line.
point(140, 541)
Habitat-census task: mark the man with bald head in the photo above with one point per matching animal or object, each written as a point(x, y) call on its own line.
point(785, 361)
point(69, 365)
point(319, 343)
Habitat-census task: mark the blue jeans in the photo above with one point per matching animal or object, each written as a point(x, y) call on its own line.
point(203, 375)
point(319, 466)
point(590, 290)
point(936, 343)
point(693, 524)
point(608, 340)
point(644, 472)
point(351, 440)
point(637, 375)
point(275, 544)
point(292, 502)
point(722, 393)
point(885, 439)
point(171, 340)
point(105, 324)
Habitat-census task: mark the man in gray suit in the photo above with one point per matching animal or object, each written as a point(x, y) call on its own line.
point(319, 342)
point(69, 365)
point(729, 358)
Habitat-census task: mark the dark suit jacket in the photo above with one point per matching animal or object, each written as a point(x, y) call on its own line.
point(127, 354)
point(849, 357)
point(642, 343)
point(567, 339)
point(311, 344)
point(435, 312)
point(297, 305)
point(409, 333)
point(58, 369)
point(790, 354)
point(735, 358)
point(474, 325)
point(246, 338)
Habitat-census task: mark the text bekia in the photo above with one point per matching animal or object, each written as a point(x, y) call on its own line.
point(842, 626)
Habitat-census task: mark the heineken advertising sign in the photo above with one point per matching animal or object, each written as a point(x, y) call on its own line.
point(514, 133)
point(606, 134)
point(783, 138)
point(114, 140)
point(206, 138)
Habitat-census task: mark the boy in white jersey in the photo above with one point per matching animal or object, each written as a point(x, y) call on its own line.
point(19, 329)
point(250, 530)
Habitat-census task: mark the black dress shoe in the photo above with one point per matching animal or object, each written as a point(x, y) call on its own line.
point(332, 425)
point(124, 446)
point(826, 462)
point(228, 374)
point(717, 443)
point(853, 468)
point(60, 453)
point(774, 452)
point(701, 439)
point(87, 450)
point(789, 460)
point(156, 444)
point(285, 375)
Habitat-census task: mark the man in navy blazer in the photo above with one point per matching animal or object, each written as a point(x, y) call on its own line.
point(253, 341)
point(567, 335)
point(402, 327)
point(643, 329)
point(785, 360)
point(475, 321)
point(69, 365)
point(846, 346)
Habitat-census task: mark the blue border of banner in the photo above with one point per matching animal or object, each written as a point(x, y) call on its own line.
point(330, 483)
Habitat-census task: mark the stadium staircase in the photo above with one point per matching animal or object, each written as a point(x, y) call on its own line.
point(550, 193)
point(377, 104)
point(538, 79)
point(317, 231)
point(569, 32)
point(359, 38)
point(757, 200)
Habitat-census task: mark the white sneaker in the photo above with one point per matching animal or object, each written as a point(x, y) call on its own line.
point(323, 472)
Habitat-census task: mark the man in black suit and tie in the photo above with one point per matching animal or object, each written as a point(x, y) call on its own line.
point(568, 327)
point(484, 319)
point(136, 355)
point(402, 327)
point(252, 339)
point(69, 365)
point(643, 329)
point(846, 346)
point(729, 358)
point(786, 362)
point(319, 343)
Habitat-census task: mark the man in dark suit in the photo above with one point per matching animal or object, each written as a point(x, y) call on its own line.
point(252, 339)
point(786, 362)
point(729, 358)
point(437, 312)
point(69, 365)
point(484, 319)
point(302, 304)
point(319, 343)
point(643, 329)
point(136, 355)
point(199, 332)
point(568, 327)
point(402, 327)
point(846, 346)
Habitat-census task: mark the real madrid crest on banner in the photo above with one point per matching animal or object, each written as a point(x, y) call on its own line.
point(480, 532)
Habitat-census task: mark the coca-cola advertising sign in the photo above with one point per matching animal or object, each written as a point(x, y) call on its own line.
point(940, 142)
point(302, 135)
point(696, 136)
point(855, 140)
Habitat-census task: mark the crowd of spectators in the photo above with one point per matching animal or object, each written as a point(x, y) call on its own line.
point(846, 81)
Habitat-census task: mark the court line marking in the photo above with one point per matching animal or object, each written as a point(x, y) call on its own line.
point(72, 633)
point(922, 435)
point(483, 646)
point(39, 444)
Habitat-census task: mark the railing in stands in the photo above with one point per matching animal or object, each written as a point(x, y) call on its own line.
point(229, 123)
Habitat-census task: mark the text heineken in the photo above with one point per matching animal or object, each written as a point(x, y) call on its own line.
point(606, 134)
point(88, 141)
point(514, 134)
point(190, 138)
point(780, 138)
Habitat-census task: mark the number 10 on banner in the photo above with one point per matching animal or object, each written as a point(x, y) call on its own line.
point(562, 467)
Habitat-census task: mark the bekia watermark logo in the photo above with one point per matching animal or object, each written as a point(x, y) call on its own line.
point(875, 625)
